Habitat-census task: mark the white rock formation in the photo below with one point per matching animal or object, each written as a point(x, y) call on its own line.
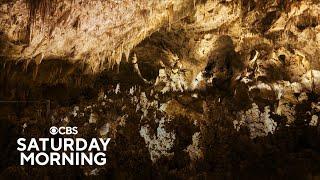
point(259, 123)
point(194, 149)
point(160, 143)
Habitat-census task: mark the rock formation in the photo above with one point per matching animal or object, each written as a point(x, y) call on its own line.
point(184, 88)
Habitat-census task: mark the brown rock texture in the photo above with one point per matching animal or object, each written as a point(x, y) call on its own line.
point(200, 89)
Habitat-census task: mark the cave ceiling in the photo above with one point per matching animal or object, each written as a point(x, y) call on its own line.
point(101, 34)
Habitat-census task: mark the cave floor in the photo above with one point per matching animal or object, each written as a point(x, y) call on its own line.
point(221, 152)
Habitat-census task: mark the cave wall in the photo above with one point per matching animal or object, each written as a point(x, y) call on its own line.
point(221, 88)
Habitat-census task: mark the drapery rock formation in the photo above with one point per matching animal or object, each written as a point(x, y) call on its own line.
point(95, 32)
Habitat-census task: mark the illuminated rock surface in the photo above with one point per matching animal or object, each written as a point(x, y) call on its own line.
point(184, 88)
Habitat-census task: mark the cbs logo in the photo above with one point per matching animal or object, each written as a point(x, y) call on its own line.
point(63, 130)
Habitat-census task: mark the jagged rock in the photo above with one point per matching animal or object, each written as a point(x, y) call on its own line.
point(160, 143)
point(259, 123)
point(193, 149)
point(314, 120)
point(93, 118)
point(104, 130)
point(311, 80)
point(75, 111)
point(188, 69)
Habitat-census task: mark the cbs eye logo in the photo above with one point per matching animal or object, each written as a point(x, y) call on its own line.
point(63, 130)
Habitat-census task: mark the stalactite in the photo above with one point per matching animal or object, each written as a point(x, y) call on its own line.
point(35, 73)
point(127, 54)
point(41, 7)
point(38, 7)
point(120, 53)
point(38, 58)
point(170, 16)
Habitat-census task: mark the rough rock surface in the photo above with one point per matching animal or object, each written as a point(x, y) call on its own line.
point(202, 88)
